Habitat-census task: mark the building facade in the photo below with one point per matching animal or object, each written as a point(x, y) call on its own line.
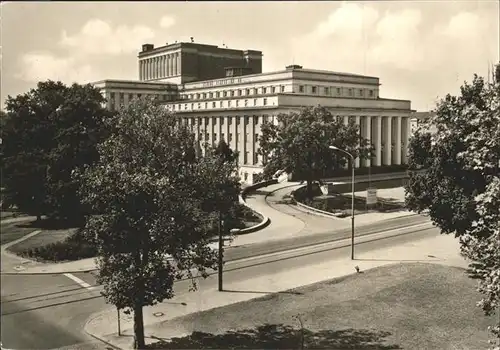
point(234, 105)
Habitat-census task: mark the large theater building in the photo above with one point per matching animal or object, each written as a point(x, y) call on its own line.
point(223, 94)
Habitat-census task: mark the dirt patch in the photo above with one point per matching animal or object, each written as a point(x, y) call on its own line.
point(402, 306)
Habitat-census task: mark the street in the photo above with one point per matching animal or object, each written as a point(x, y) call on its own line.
point(49, 311)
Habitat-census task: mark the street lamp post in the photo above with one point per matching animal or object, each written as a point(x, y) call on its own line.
point(221, 252)
point(352, 199)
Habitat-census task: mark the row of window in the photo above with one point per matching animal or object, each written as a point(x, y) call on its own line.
point(222, 104)
point(314, 90)
point(337, 91)
point(121, 96)
point(232, 93)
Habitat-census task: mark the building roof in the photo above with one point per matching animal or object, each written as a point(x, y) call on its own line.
point(423, 115)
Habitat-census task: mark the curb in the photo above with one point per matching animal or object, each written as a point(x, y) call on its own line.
point(265, 220)
point(333, 245)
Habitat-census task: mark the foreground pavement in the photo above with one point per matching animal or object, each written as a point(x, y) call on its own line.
point(266, 275)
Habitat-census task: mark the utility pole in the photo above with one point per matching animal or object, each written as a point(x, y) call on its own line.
point(221, 248)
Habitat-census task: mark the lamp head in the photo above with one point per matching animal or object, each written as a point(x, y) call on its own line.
point(333, 147)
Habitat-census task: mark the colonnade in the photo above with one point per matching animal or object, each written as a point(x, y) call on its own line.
point(389, 136)
point(160, 67)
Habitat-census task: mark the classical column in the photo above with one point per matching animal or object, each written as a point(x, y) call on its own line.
point(397, 141)
point(148, 69)
point(377, 139)
point(251, 141)
point(357, 118)
point(163, 63)
point(175, 63)
point(170, 65)
point(367, 133)
point(179, 64)
point(236, 140)
point(388, 141)
point(140, 70)
point(405, 131)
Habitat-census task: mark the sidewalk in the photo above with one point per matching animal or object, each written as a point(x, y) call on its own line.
point(440, 249)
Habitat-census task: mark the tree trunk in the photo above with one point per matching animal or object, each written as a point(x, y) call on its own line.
point(139, 342)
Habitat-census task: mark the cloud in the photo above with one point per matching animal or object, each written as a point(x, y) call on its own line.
point(98, 37)
point(167, 21)
point(410, 49)
point(41, 66)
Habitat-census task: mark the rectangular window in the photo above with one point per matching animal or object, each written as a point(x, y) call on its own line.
point(264, 90)
point(211, 94)
point(218, 93)
point(256, 137)
point(225, 93)
point(301, 88)
point(199, 105)
point(282, 88)
point(350, 92)
point(204, 95)
point(214, 105)
point(265, 102)
point(254, 91)
point(371, 93)
point(255, 102)
point(239, 92)
point(338, 91)
point(313, 89)
point(230, 137)
point(229, 103)
point(246, 103)
point(185, 106)
point(130, 96)
point(273, 89)
point(206, 105)
point(222, 137)
point(237, 103)
point(232, 93)
point(247, 92)
point(327, 91)
point(192, 105)
point(173, 107)
point(360, 92)
point(221, 104)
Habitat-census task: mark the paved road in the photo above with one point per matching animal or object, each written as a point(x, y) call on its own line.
point(46, 312)
point(52, 309)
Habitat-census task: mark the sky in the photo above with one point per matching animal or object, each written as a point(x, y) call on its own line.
point(420, 50)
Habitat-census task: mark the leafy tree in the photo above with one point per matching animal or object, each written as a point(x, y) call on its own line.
point(459, 150)
point(225, 152)
point(300, 141)
point(48, 132)
point(154, 199)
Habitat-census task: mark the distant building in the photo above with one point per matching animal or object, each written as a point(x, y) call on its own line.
point(223, 94)
point(417, 118)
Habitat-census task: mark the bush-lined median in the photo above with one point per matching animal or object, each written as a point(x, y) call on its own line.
point(59, 244)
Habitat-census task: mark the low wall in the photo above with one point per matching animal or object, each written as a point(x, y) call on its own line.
point(265, 220)
point(361, 184)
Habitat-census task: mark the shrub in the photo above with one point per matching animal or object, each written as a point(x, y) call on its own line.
point(75, 247)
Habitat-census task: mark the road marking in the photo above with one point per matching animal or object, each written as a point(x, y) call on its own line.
point(79, 281)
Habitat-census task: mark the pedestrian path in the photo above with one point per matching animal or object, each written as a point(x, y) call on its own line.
point(436, 248)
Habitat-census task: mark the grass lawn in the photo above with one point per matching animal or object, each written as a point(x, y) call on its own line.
point(336, 203)
point(15, 230)
point(402, 306)
point(43, 238)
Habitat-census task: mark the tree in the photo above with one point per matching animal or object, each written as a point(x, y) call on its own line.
point(48, 132)
point(299, 143)
point(460, 183)
point(225, 152)
point(154, 199)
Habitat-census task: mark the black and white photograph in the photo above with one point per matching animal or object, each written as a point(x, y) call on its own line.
point(250, 175)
